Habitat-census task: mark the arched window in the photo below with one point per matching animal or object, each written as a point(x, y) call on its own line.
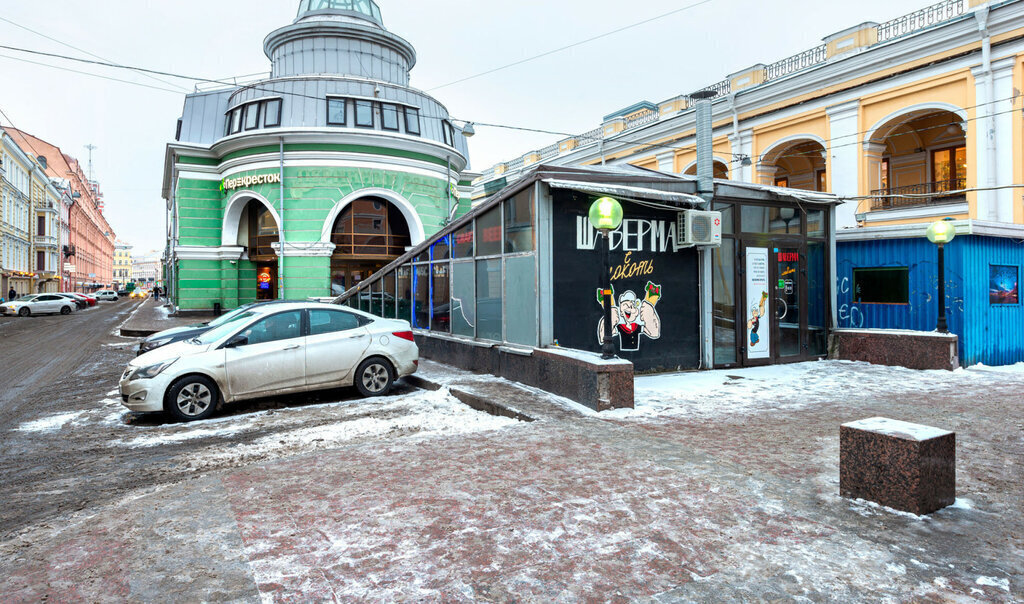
point(368, 234)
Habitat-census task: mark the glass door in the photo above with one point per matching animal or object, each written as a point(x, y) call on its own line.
point(788, 300)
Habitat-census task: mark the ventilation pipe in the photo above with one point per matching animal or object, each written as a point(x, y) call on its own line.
point(705, 153)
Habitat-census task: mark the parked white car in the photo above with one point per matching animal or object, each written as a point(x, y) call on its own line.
point(107, 294)
point(270, 350)
point(38, 304)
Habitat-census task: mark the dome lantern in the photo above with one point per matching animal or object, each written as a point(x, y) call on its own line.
point(360, 9)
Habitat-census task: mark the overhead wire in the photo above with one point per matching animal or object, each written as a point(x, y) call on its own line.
point(92, 54)
point(570, 46)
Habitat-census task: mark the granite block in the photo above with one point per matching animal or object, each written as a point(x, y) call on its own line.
point(901, 348)
point(901, 465)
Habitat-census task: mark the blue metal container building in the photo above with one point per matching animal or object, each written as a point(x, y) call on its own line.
point(989, 333)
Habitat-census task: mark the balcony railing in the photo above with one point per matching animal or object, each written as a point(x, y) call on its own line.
point(47, 240)
point(918, 20)
point(907, 24)
point(795, 63)
point(924, 194)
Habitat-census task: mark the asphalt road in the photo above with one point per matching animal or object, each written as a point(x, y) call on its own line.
point(40, 351)
point(68, 445)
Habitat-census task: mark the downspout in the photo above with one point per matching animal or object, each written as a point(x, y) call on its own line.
point(991, 156)
point(174, 238)
point(706, 190)
point(281, 237)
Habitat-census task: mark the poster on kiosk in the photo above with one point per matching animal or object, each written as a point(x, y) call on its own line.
point(758, 326)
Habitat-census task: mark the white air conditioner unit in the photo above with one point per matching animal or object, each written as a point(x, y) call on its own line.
point(697, 228)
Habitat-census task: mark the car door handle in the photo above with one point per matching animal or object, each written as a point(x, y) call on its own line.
point(293, 347)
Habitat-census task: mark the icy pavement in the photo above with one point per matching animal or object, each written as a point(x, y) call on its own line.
point(720, 486)
point(711, 394)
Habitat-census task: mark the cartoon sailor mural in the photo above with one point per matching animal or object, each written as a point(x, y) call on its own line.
point(632, 318)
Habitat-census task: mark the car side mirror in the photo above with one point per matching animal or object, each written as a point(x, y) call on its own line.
point(237, 341)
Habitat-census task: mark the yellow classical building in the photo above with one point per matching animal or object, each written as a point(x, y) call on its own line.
point(909, 121)
point(916, 118)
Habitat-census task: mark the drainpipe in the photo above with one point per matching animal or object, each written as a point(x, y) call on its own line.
point(705, 152)
point(281, 237)
point(991, 156)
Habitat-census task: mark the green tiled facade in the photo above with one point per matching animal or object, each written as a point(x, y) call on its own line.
point(310, 195)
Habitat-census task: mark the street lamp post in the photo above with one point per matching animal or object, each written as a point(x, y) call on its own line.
point(940, 233)
point(606, 216)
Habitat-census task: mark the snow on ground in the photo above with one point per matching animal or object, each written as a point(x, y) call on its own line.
point(51, 423)
point(310, 427)
point(710, 394)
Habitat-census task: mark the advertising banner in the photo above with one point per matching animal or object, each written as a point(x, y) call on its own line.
point(655, 320)
point(758, 322)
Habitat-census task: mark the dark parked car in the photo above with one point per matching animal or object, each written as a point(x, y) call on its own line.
point(187, 332)
point(79, 302)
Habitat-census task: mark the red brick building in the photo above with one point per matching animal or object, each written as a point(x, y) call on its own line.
point(90, 249)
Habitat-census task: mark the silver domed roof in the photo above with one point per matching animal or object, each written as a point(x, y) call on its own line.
point(361, 9)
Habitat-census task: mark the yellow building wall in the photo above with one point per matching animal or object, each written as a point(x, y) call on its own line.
point(650, 163)
point(721, 148)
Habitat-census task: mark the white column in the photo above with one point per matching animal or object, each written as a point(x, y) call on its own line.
point(994, 131)
point(667, 161)
point(742, 144)
point(841, 159)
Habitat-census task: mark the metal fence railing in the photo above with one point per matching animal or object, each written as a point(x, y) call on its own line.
point(923, 194)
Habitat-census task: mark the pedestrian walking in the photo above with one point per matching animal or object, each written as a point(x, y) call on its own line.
point(12, 295)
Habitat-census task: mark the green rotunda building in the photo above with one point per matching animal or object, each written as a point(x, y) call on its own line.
point(306, 182)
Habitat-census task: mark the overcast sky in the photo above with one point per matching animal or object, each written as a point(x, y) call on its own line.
point(565, 92)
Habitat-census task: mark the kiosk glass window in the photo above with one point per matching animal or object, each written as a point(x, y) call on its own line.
point(389, 296)
point(521, 295)
point(754, 219)
point(488, 299)
point(723, 260)
point(817, 292)
point(440, 250)
point(404, 301)
point(519, 229)
point(463, 242)
point(728, 217)
point(440, 299)
point(815, 223)
point(463, 299)
point(488, 233)
point(421, 299)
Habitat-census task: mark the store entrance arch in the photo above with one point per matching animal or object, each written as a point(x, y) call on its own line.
point(368, 234)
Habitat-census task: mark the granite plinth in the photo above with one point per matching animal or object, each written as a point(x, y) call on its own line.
point(901, 348)
point(581, 377)
point(900, 465)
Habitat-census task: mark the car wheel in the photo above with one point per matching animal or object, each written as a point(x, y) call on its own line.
point(24, 312)
point(374, 377)
point(192, 398)
point(65, 310)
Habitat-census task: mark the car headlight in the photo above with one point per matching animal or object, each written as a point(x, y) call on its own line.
point(146, 373)
point(151, 344)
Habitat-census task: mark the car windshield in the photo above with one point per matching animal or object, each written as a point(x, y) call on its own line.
point(230, 317)
point(224, 329)
point(27, 298)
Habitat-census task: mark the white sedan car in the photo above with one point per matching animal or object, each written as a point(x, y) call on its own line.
point(38, 304)
point(270, 350)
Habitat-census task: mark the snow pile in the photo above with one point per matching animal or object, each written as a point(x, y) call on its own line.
point(712, 394)
point(52, 423)
point(269, 434)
